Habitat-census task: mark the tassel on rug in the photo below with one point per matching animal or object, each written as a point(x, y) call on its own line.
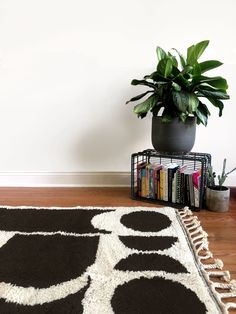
point(199, 241)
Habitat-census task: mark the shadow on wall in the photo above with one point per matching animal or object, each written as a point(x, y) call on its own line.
point(108, 144)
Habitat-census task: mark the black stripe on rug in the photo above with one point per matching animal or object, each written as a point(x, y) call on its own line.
point(47, 220)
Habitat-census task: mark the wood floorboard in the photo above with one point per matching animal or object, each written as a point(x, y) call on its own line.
point(221, 227)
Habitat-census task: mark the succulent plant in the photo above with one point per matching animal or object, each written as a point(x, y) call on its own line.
point(211, 175)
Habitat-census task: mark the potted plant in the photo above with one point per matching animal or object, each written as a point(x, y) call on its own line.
point(176, 96)
point(217, 196)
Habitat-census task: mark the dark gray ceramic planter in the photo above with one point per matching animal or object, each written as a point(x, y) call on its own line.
point(174, 137)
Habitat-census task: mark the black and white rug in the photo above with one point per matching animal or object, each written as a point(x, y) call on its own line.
point(120, 260)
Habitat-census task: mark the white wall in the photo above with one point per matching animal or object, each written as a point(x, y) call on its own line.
point(65, 72)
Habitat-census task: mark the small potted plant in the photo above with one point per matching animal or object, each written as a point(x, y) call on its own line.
point(217, 196)
point(176, 96)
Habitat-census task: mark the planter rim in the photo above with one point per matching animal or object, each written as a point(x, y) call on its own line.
point(215, 188)
point(175, 118)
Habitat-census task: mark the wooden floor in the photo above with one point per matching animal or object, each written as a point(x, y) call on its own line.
point(221, 227)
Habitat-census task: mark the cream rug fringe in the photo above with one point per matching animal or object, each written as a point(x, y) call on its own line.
point(199, 241)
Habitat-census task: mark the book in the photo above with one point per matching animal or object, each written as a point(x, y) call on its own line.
point(161, 193)
point(188, 190)
point(157, 180)
point(171, 169)
point(196, 187)
point(151, 189)
point(179, 184)
point(191, 191)
point(147, 181)
point(174, 189)
point(139, 184)
point(143, 182)
point(165, 183)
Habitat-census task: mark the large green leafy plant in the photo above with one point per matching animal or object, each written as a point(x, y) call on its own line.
point(179, 87)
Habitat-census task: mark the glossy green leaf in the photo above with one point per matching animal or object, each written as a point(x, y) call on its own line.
point(145, 106)
point(205, 91)
point(168, 68)
point(185, 101)
point(195, 51)
point(193, 103)
point(181, 57)
point(200, 48)
point(191, 57)
point(196, 69)
point(176, 86)
point(217, 103)
point(180, 100)
point(203, 108)
point(164, 67)
point(155, 76)
point(201, 116)
point(161, 54)
point(173, 58)
point(180, 76)
point(142, 82)
point(182, 81)
point(187, 69)
point(217, 81)
point(139, 96)
point(209, 65)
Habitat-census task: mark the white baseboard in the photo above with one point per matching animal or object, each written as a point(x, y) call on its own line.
point(72, 179)
point(64, 179)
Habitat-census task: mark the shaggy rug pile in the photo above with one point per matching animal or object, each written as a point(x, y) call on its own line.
point(120, 260)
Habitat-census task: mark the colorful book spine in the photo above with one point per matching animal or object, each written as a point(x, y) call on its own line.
point(147, 181)
point(196, 187)
point(171, 183)
point(139, 177)
point(143, 182)
point(161, 193)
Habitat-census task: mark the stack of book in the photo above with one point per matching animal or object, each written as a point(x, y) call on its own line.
point(171, 183)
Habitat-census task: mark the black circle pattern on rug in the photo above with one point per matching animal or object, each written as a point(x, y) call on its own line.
point(156, 295)
point(146, 221)
point(142, 262)
point(152, 243)
point(42, 261)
